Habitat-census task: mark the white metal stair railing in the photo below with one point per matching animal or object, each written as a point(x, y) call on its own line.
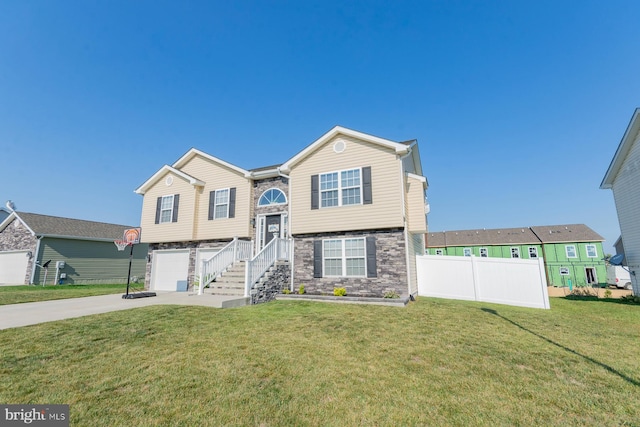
point(211, 268)
point(276, 249)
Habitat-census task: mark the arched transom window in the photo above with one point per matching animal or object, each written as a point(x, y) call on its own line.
point(273, 196)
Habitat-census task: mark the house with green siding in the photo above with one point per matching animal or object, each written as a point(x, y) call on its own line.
point(74, 251)
point(572, 253)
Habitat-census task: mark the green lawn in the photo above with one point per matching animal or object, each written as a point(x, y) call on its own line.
point(19, 294)
point(435, 362)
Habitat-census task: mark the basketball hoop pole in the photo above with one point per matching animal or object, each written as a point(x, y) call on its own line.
point(129, 273)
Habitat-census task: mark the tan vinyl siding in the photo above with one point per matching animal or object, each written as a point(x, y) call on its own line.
point(416, 215)
point(384, 212)
point(217, 177)
point(171, 231)
point(89, 262)
point(416, 247)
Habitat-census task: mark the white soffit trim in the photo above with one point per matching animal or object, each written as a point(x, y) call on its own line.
point(10, 218)
point(417, 177)
point(165, 169)
point(339, 130)
point(623, 149)
point(195, 152)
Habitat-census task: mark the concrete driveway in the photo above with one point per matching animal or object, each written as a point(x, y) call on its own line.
point(32, 313)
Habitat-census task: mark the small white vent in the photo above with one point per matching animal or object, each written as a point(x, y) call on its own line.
point(168, 181)
point(339, 146)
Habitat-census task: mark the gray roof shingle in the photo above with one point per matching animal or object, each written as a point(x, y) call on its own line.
point(514, 236)
point(58, 226)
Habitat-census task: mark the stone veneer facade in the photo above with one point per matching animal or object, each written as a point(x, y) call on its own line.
point(16, 237)
point(193, 246)
point(391, 265)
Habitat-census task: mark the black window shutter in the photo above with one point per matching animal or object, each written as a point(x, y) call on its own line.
point(315, 192)
point(158, 207)
point(212, 200)
point(371, 257)
point(317, 258)
point(176, 201)
point(367, 196)
point(232, 202)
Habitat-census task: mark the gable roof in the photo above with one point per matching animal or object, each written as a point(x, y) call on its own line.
point(156, 176)
point(630, 136)
point(193, 152)
point(400, 148)
point(513, 236)
point(566, 233)
point(53, 226)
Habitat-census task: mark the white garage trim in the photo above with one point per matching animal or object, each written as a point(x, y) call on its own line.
point(170, 269)
point(13, 267)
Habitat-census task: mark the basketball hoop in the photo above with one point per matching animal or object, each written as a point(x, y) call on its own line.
point(121, 244)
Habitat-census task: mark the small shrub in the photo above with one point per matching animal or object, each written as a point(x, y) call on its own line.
point(391, 294)
point(607, 293)
point(286, 291)
point(339, 292)
point(301, 290)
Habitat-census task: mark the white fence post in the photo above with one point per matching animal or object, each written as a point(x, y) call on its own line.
point(476, 278)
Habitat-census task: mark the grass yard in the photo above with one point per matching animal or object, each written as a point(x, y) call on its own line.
point(436, 362)
point(33, 293)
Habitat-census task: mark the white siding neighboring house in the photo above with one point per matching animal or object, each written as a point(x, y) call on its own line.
point(623, 177)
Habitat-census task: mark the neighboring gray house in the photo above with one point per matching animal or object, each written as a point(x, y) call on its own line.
point(623, 177)
point(28, 241)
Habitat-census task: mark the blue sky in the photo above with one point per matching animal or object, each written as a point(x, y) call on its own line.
point(517, 106)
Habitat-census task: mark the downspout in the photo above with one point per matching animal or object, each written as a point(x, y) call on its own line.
point(405, 224)
point(35, 261)
point(290, 225)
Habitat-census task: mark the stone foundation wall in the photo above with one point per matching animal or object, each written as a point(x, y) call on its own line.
point(278, 280)
point(192, 246)
point(391, 266)
point(16, 237)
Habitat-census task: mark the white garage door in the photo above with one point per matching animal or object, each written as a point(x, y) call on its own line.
point(170, 270)
point(203, 254)
point(13, 267)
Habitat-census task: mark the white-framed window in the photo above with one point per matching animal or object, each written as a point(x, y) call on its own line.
point(533, 252)
point(344, 257)
point(166, 209)
point(272, 196)
point(466, 251)
point(564, 271)
point(484, 253)
point(341, 188)
point(439, 252)
point(571, 251)
point(221, 204)
point(515, 252)
point(592, 252)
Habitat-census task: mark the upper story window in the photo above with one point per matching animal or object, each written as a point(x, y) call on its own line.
point(592, 252)
point(571, 251)
point(533, 252)
point(272, 196)
point(166, 209)
point(222, 203)
point(341, 188)
point(466, 251)
point(515, 252)
point(484, 253)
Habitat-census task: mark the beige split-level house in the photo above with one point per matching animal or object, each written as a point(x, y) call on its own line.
point(349, 210)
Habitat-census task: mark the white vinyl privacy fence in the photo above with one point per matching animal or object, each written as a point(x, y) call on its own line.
point(514, 281)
